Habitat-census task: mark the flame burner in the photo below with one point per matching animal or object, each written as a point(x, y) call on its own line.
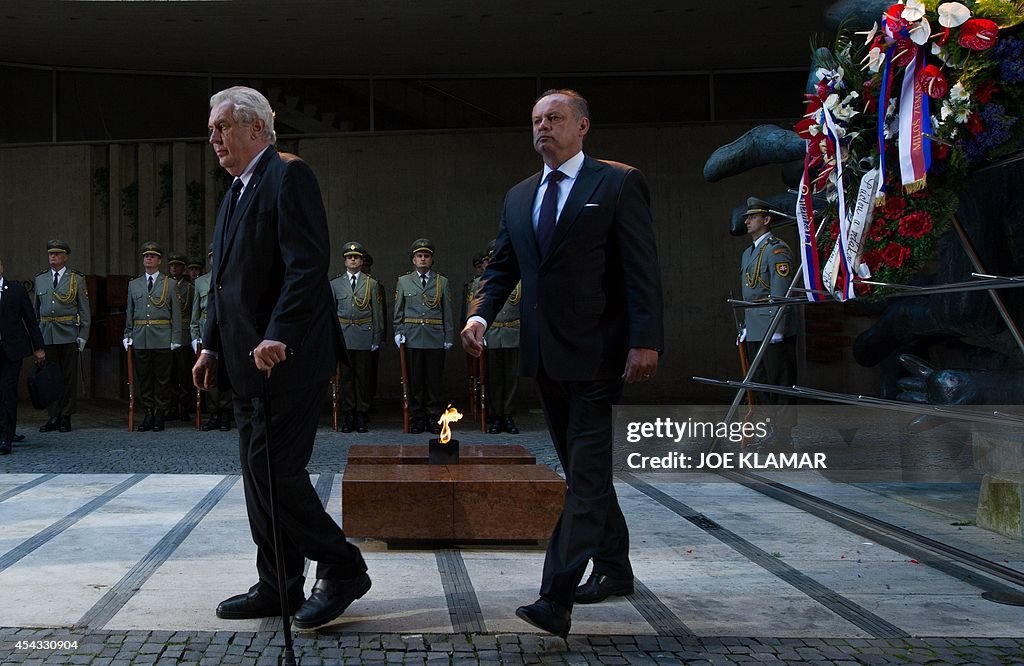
point(445, 450)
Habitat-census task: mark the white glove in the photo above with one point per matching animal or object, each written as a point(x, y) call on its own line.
point(81, 344)
point(399, 339)
point(374, 348)
point(195, 345)
point(742, 337)
point(448, 345)
point(174, 345)
point(776, 338)
point(127, 342)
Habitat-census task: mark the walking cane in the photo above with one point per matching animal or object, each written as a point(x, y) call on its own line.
point(131, 392)
point(289, 651)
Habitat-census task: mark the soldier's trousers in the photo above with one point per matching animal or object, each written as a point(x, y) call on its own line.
point(778, 367)
point(153, 375)
point(358, 382)
point(426, 372)
point(66, 356)
point(502, 369)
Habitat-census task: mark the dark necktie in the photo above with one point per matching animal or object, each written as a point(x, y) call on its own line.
point(151, 283)
point(423, 279)
point(548, 212)
point(56, 279)
point(353, 284)
point(236, 190)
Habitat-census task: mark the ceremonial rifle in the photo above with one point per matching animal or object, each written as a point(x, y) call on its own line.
point(405, 388)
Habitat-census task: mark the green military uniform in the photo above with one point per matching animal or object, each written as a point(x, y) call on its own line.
point(182, 388)
point(219, 399)
point(62, 307)
point(360, 313)
point(152, 327)
point(424, 318)
point(767, 271)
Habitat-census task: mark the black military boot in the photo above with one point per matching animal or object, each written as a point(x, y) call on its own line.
point(361, 422)
point(212, 423)
point(347, 423)
point(65, 424)
point(147, 422)
point(51, 424)
point(158, 421)
point(510, 426)
point(496, 426)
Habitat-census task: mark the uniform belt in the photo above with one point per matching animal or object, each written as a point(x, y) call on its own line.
point(59, 320)
point(511, 323)
point(364, 320)
point(152, 322)
point(419, 320)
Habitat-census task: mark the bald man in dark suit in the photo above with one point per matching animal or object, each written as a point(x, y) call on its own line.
point(579, 235)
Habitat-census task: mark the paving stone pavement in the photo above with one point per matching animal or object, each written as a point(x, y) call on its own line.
point(99, 445)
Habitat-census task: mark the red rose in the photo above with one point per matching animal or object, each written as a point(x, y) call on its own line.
point(873, 258)
point(984, 92)
point(879, 230)
point(940, 151)
point(916, 224)
point(978, 34)
point(975, 124)
point(933, 81)
point(894, 207)
point(894, 254)
point(904, 52)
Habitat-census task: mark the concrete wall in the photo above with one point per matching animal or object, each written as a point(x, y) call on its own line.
point(387, 190)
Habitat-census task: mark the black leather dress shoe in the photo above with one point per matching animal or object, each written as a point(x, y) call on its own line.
point(416, 427)
point(329, 599)
point(361, 422)
point(5, 447)
point(158, 422)
point(253, 605)
point(65, 424)
point(599, 587)
point(212, 424)
point(495, 426)
point(347, 423)
point(18, 438)
point(510, 426)
point(147, 423)
point(547, 616)
point(51, 424)
point(225, 424)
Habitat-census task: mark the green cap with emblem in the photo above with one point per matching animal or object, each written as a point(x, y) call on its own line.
point(422, 245)
point(354, 249)
point(56, 245)
point(152, 248)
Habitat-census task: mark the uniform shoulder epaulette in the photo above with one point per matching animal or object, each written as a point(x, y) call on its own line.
point(42, 272)
point(337, 276)
point(75, 272)
point(774, 240)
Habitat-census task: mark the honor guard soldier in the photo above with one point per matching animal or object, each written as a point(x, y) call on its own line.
point(382, 296)
point(767, 270)
point(502, 351)
point(62, 306)
point(360, 313)
point(218, 398)
point(182, 389)
point(194, 269)
point(424, 322)
point(153, 331)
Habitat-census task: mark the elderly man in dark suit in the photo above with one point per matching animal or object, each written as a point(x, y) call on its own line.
point(19, 337)
point(269, 312)
point(579, 235)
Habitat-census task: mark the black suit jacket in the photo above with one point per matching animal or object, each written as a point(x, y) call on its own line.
point(19, 329)
point(597, 293)
point(269, 280)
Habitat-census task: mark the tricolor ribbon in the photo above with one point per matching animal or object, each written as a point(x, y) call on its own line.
point(808, 237)
point(845, 276)
point(860, 223)
point(915, 124)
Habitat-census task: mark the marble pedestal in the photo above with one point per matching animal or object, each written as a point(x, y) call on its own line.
point(388, 492)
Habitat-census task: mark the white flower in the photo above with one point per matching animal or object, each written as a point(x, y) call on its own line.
point(875, 59)
point(940, 52)
point(920, 33)
point(832, 101)
point(870, 33)
point(913, 10)
point(958, 93)
point(953, 14)
point(947, 110)
point(961, 115)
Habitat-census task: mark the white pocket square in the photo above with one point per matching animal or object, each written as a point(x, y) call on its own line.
point(591, 204)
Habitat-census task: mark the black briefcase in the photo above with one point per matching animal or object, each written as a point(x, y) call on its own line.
point(45, 385)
